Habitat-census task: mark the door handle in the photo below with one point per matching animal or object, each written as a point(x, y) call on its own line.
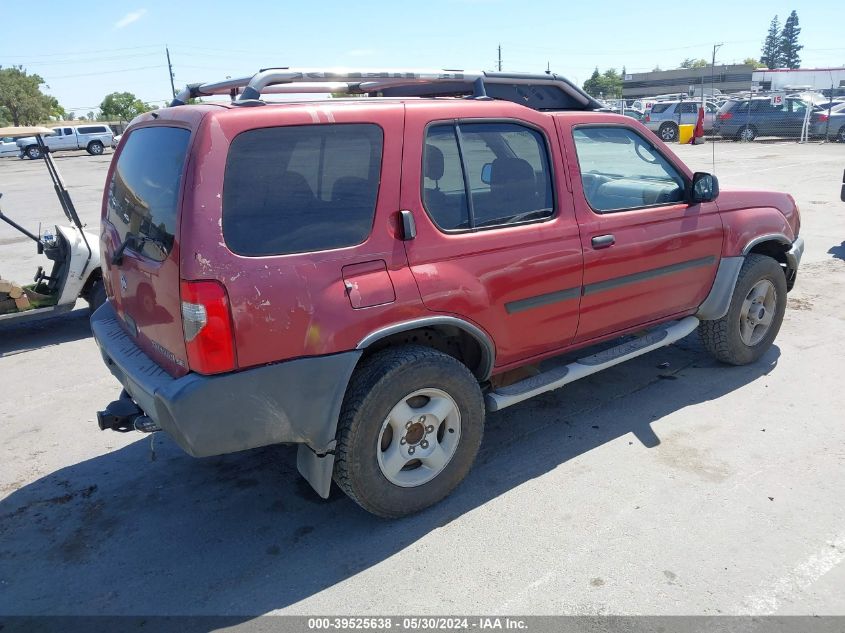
point(603, 241)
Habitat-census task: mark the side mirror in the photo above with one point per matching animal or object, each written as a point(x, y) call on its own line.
point(487, 173)
point(704, 188)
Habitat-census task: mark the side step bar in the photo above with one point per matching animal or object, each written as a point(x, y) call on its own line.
point(661, 336)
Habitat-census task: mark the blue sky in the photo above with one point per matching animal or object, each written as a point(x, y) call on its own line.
point(88, 50)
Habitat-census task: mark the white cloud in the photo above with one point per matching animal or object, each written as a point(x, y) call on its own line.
point(129, 18)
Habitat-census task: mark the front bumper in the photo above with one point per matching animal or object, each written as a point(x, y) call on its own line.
point(296, 401)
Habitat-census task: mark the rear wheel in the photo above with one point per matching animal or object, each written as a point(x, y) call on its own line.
point(756, 312)
point(33, 151)
point(746, 133)
point(95, 148)
point(409, 431)
point(841, 135)
point(668, 132)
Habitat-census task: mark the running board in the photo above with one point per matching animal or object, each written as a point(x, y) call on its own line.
point(559, 376)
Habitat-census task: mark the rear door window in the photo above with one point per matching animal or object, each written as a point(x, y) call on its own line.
point(480, 175)
point(301, 188)
point(144, 189)
point(657, 108)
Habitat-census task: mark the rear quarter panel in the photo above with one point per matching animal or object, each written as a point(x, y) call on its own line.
point(295, 305)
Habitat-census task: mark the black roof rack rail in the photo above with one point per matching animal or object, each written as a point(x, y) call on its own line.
point(545, 91)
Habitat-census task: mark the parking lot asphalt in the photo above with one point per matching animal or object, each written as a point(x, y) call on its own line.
point(666, 485)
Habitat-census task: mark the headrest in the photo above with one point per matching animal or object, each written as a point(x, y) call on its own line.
point(433, 162)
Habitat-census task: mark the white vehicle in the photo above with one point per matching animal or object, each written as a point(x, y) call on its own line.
point(75, 253)
point(8, 147)
point(93, 138)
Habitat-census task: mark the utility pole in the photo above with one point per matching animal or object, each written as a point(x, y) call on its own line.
point(713, 71)
point(500, 58)
point(170, 72)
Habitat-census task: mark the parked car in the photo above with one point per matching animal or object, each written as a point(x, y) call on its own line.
point(746, 119)
point(830, 122)
point(94, 138)
point(664, 117)
point(367, 278)
point(8, 146)
point(116, 140)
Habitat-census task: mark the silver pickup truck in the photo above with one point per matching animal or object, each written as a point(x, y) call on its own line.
point(94, 138)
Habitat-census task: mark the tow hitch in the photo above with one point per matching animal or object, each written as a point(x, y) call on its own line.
point(124, 415)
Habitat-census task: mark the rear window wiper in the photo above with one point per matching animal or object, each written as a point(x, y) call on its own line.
point(137, 242)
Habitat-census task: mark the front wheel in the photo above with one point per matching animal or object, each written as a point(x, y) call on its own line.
point(409, 430)
point(33, 152)
point(95, 148)
point(841, 135)
point(755, 315)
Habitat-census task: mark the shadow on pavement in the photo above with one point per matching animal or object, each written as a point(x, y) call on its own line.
point(62, 328)
point(243, 534)
point(838, 251)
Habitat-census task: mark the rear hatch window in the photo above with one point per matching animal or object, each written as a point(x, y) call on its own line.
point(143, 193)
point(301, 188)
point(143, 207)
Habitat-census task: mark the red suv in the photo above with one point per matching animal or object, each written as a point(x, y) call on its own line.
point(367, 277)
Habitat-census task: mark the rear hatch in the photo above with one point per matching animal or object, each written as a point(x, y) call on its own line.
point(140, 240)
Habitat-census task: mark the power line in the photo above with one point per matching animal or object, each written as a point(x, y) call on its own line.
point(102, 50)
point(103, 72)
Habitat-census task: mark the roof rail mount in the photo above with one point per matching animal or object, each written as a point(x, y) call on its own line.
point(542, 91)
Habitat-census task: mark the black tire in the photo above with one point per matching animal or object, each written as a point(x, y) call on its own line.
point(722, 337)
point(33, 152)
point(841, 135)
point(96, 295)
point(377, 385)
point(95, 148)
point(746, 133)
point(668, 132)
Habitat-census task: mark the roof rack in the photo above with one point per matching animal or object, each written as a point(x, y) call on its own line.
point(545, 92)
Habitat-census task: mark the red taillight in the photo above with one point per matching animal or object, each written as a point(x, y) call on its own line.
point(821, 118)
point(725, 116)
point(648, 117)
point(207, 325)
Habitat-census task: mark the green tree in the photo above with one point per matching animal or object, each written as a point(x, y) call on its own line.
point(123, 105)
point(694, 63)
point(789, 46)
point(753, 61)
point(770, 55)
point(607, 85)
point(21, 99)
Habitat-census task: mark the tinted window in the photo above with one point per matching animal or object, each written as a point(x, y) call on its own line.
point(301, 188)
point(92, 130)
point(688, 108)
point(504, 167)
point(68, 131)
point(622, 170)
point(657, 108)
point(144, 190)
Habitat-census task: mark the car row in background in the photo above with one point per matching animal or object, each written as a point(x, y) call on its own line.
point(746, 119)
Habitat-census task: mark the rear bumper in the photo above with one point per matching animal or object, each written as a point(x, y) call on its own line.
point(297, 401)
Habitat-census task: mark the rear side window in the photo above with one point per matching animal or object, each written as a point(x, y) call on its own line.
point(144, 189)
point(657, 108)
point(301, 188)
